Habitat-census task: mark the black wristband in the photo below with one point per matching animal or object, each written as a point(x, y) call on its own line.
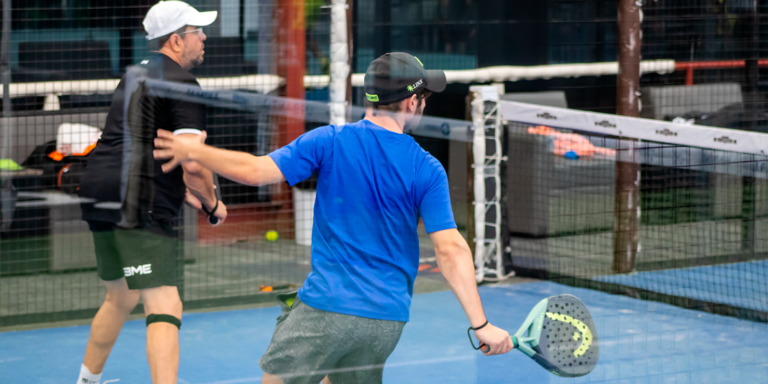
point(480, 327)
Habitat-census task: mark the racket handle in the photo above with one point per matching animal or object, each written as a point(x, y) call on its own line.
point(213, 220)
point(485, 347)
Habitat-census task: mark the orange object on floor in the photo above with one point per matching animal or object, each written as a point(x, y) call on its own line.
point(268, 288)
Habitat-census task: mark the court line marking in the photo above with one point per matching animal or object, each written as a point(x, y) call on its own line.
point(365, 367)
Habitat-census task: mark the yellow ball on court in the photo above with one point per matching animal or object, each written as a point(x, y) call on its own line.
point(272, 235)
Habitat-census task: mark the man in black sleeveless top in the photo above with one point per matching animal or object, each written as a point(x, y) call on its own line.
point(135, 203)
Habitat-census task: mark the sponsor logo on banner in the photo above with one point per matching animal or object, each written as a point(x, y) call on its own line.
point(666, 132)
point(144, 269)
point(725, 140)
point(546, 116)
point(445, 128)
point(605, 124)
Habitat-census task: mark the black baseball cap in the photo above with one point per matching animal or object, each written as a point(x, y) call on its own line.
point(395, 76)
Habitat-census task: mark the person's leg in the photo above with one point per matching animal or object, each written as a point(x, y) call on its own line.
point(118, 304)
point(108, 322)
point(149, 257)
point(162, 335)
point(270, 379)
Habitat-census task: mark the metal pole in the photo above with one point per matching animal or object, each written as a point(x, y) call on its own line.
point(751, 70)
point(6, 188)
point(627, 203)
point(339, 62)
point(350, 55)
point(5, 68)
point(753, 106)
point(267, 58)
point(291, 48)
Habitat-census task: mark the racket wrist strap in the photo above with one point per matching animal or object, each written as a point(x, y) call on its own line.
point(212, 211)
point(470, 335)
point(480, 327)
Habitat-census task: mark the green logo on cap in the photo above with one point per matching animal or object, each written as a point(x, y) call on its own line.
point(415, 85)
point(372, 98)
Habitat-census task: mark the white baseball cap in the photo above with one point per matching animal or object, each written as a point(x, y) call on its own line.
point(168, 16)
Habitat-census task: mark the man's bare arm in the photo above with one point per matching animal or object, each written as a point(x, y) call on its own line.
point(199, 182)
point(241, 167)
point(454, 259)
point(455, 262)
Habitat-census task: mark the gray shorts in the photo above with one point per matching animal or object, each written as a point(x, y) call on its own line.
point(309, 344)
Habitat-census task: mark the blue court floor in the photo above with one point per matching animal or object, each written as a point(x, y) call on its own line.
point(640, 342)
point(743, 285)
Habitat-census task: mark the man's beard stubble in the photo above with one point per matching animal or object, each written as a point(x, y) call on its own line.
point(195, 60)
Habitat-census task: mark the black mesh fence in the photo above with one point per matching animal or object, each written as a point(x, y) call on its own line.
point(66, 58)
point(65, 61)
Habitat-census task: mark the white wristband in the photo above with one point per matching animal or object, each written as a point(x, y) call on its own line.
point(187, 130)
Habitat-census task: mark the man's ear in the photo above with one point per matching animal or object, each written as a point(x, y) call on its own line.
point(413, 103)
point(176, 43)
point(404, 105)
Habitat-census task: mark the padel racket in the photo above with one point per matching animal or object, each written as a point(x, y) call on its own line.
point(559, 335)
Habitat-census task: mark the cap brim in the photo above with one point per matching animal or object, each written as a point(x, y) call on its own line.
point(203, 19)
point(436, 80)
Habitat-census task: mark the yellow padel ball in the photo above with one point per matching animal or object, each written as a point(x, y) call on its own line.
point(272, 235)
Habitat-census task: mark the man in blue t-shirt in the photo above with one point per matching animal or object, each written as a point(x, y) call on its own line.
point(374, 183)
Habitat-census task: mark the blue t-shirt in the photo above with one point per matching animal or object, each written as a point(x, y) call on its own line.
point(372, 187)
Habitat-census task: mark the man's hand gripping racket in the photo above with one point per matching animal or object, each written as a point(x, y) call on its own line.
point(219, 212)
point(558, 334)
point(493, 340)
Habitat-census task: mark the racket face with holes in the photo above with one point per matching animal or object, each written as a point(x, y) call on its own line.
point(568, 344)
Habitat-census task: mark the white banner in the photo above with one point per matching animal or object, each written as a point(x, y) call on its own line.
point(637, 128)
